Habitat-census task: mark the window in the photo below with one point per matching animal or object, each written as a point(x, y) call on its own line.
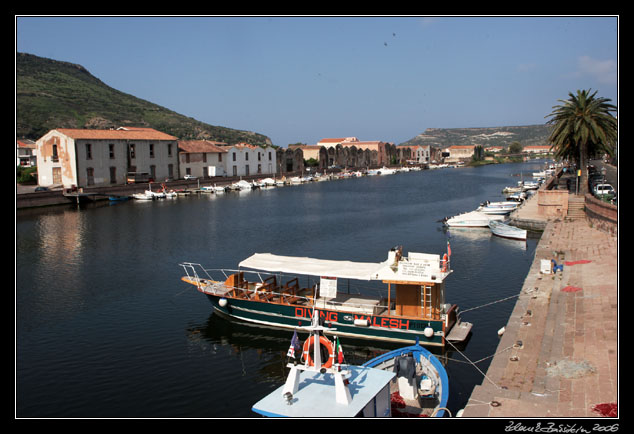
point(131, 148)
point(220, 158)
point(55, 157)
point(234, 156)
point(269, 155)
point(111, 151)
point(169, 149)
point(88, 151)
point(151, 150)
point(246, 156)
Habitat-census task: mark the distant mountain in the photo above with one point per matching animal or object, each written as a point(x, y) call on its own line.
point(494, 136)
point(52, 94)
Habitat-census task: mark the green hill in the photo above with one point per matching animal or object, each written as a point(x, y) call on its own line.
point(495, 136)
point(52, 94)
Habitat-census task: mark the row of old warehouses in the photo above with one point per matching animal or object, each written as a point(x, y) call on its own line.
point(86, 157)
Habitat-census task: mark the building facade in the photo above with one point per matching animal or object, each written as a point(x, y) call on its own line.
point(245, 160)
point(202, 158)
point(71, 157)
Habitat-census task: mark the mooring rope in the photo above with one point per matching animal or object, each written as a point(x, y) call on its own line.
point(493, 302)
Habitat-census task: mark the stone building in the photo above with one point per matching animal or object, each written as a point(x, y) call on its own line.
point(71, 157)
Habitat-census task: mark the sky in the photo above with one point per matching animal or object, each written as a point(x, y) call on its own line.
point(304, 78)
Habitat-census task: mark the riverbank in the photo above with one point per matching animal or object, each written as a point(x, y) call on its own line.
point(558, 356)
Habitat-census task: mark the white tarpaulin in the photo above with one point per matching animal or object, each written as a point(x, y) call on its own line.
point(313, 267)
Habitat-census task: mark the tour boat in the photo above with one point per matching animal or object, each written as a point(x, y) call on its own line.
point(507, 231)
point(413, 308)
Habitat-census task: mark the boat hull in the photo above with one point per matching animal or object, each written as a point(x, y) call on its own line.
point(507, 231)
point(349, 324)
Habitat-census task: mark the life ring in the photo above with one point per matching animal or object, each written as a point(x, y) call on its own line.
point(445, 262)
point(324, 343)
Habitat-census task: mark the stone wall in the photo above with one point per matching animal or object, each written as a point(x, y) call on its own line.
point(602, 215)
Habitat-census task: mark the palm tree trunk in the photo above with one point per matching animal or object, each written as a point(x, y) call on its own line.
point(583, 167)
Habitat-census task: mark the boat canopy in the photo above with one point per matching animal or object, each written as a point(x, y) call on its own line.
point(313, 267)
point(416, 267)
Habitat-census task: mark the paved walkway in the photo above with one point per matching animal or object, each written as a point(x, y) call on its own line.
point(558, 356)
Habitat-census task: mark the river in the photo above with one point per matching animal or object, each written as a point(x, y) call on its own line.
point(105, 328)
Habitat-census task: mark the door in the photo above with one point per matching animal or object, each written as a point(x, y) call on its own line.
point(57, 175)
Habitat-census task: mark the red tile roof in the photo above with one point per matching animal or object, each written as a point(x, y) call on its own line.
point(129, 133)
point(201, 146)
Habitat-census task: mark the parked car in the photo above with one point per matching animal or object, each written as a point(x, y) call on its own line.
point(604, 190)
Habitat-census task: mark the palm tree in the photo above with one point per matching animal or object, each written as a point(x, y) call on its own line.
point(583, 126)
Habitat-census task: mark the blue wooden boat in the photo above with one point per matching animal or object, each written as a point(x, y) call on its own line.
point(421, 386)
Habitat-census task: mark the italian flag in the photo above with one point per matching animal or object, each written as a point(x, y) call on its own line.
point(339, 351)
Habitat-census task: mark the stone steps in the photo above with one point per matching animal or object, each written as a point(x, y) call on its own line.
point(576, 207)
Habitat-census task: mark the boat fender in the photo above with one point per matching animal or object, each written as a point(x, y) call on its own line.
point(222, 302)
point(361, 322)
point(323, 342)
point(428, 332)
point(445, 262)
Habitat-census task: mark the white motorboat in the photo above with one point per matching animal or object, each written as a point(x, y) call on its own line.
point(473, 219)
point(241, 185)
point(507, 231)
point(498, 208)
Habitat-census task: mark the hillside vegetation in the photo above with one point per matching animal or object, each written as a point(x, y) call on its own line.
point(52, 94)
point(495, 136)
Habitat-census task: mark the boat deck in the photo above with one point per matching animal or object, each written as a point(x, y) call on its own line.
point(355, 303)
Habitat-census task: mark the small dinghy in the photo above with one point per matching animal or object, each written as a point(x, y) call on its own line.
point(507, 231)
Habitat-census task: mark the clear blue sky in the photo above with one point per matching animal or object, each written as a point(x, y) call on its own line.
point(301, 79)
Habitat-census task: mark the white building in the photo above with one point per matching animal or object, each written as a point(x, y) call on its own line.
point(79, 158)
point(25, 151)
point(202, 158)
point(244, 160)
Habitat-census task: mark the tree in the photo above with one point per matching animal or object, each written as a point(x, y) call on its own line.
point(583, 126)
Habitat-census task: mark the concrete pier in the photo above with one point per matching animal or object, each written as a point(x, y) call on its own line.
point(558, 356)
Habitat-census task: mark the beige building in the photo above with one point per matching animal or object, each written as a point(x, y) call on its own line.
point(202, 158)
point(71, 157)
point(459, 152)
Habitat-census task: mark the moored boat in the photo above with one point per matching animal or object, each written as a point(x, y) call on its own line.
point(473, 219)
point(507, 231)
point(498, 208)
point(413, 307)
point(319, 384)
point(421, 386)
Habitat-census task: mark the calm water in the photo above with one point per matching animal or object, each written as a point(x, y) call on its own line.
point(106, 328)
